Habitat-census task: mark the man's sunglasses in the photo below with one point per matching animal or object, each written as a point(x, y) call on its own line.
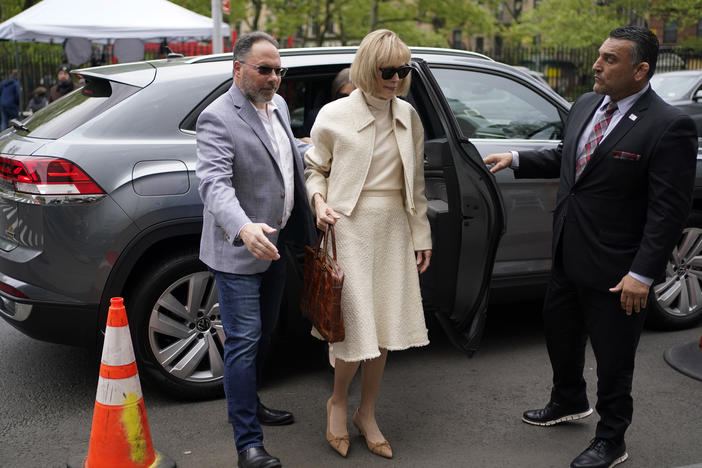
point(388, 72)
point(264, 70)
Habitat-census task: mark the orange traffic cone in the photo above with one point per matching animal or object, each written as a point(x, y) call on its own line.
point(120, 435)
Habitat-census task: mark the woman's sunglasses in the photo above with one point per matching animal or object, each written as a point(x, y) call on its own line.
point(263, 70)
point(388, 72)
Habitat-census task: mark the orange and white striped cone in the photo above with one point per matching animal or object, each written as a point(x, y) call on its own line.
point(120, 435)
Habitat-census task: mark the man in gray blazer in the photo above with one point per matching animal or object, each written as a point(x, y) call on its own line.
point(252, 187)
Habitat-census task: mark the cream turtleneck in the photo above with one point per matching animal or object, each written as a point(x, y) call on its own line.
point(385, 172)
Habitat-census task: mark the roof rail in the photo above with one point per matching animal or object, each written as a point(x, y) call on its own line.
point(344, 50)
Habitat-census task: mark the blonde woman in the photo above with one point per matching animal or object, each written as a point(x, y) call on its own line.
point(365, 175)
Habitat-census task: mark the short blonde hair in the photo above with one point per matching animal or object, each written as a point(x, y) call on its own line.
point(380, 48)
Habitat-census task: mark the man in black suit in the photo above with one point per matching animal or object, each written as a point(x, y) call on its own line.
point(627, 167)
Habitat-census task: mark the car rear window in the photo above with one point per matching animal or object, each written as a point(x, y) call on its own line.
point(76, 108)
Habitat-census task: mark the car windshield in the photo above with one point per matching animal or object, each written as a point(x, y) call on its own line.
point(672, 87)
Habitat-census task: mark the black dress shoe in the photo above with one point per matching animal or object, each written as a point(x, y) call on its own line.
point(553, 413)
point(602, 453)
point(273, 417)
point(257, 457)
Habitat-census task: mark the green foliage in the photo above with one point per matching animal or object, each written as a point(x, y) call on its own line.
point(418, 22)
point(692, 43)
point(202, 7)
point(9, 8)
point(566, 23)
point(687, 12)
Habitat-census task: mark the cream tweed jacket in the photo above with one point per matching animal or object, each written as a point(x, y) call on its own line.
point(337, 166)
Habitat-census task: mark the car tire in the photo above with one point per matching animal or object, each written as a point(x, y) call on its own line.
point(177, 330)
point(677, 300)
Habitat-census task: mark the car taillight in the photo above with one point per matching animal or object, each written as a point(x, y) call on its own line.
point(46, 176)
point(4, 287)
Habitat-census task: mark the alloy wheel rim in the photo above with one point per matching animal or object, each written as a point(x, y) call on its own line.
point(680, 294)
point(185, 329)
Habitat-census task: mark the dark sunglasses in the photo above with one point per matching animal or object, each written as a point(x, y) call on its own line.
point(388, 72)
point(264, 70)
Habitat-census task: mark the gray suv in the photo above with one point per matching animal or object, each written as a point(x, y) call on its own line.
point(99, 198)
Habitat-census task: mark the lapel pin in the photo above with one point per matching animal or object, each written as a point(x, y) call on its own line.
point(633, 117)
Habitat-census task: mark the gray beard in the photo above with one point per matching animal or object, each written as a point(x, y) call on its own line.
point(255, 97)
point(252, 94)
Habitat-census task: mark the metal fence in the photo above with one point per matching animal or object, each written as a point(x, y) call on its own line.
point(568, 71)
point(36, 67)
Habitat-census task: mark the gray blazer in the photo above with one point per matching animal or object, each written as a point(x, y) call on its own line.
point(241, 182)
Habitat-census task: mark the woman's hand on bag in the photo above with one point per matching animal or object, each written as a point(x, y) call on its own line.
point(325, 215)
point(423, 259)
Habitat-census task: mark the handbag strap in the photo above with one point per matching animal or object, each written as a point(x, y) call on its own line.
point(328, 232)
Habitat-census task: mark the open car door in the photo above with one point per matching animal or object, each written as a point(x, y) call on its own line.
point(466, 214)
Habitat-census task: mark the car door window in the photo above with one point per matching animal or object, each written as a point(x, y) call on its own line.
point(493, 106)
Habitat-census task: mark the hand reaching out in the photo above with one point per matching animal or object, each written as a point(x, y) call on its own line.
point(255, 237)
point(498, 161)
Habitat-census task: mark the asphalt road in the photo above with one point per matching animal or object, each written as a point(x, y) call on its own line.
point(437, 408)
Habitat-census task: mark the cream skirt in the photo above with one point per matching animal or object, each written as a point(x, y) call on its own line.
point(380, 299)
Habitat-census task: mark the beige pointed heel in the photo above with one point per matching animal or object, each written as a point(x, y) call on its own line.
point(379, 448)
point(340, 444)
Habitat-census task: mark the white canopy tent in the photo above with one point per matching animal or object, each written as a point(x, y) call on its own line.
point(104, 20)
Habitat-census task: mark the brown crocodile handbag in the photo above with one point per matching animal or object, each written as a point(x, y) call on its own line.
point(321, 290)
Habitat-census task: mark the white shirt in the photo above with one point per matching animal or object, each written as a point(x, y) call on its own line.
point(623, 106)
point(283, 149)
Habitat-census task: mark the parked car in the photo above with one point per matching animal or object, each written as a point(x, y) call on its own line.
point(99, 198)
point(682, 89)
point(533, 73)
point(669, 61)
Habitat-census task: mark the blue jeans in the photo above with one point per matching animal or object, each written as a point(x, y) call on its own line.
point(249, 306)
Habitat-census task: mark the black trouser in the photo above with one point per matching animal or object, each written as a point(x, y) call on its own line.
point(573, 313)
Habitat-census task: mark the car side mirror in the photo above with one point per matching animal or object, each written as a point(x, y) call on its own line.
point(698, 96)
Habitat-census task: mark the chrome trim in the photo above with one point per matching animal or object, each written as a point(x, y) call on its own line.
point(37, 199)
point(17, 311)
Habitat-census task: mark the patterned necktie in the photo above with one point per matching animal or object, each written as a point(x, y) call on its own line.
point(594, 139)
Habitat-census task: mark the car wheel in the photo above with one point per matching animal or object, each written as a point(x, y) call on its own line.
point(678, 299)
point(179, 340)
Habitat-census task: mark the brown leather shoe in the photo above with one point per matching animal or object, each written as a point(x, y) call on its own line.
point(338, 443)
point(379, 448)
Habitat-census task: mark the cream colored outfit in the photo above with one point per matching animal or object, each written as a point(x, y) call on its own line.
point(367, 162)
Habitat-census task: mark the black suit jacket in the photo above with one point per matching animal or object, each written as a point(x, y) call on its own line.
point(627, 209)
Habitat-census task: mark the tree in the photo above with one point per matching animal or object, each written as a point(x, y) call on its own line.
point(567, 23)
point(585, 23)
point(202, 7)
point(9, 8)
point(686, 11)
